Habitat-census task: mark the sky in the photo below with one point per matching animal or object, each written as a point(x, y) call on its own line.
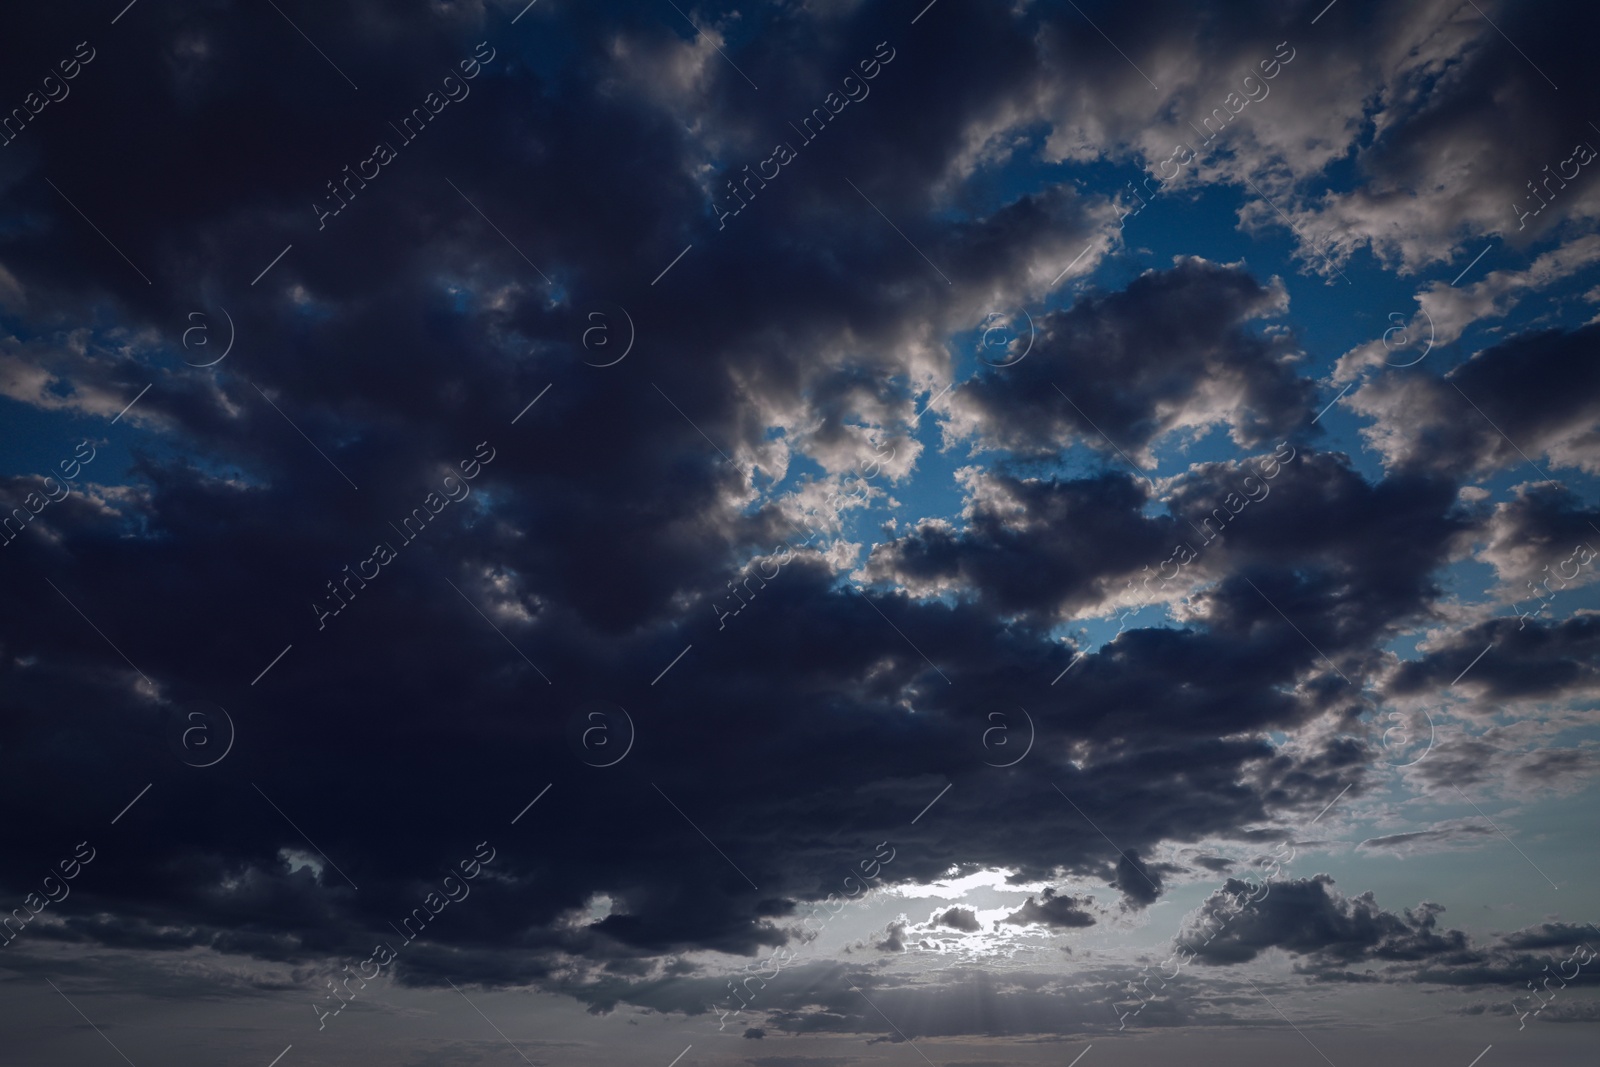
point(809, 533)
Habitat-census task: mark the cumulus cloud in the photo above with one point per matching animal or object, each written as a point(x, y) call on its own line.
point(963, 919)
point(1172, 354)
point(1509, 405)
point(1308, 917)
point(1057, 911)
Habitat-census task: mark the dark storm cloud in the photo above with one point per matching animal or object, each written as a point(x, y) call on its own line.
point(1057, 911)
point(1549, 935)
point(1530, 660)
point(1537, 410)
point(1415, 204)
point(1308, 917)
point(963, 919)
point(1499, 755)
point(807, 625)
point(1352, 593)
point(777, 833)
point(1514, 960)
point(365, 378)
point(1365, 554)
point(408, 330)
point(1174, 351)
point(1140, 882)
point(894, 937)
point(1032, 546)
point(1539, 541)
point(1376, 549)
